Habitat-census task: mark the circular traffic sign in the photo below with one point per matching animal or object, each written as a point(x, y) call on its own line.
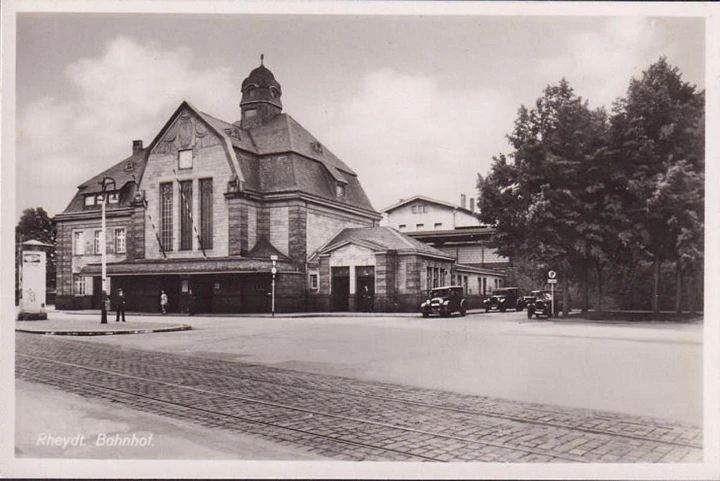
point(552, 274)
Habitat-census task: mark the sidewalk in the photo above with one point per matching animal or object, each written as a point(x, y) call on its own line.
point(72, 324)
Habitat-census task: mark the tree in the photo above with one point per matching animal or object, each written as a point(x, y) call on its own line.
point(549, 195)
point(657, 144)
point(36, 224)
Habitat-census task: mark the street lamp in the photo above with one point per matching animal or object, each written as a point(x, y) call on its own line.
point(273, 270)
point(105, 182)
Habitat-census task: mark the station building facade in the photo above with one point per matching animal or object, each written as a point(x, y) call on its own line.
point(201, 211)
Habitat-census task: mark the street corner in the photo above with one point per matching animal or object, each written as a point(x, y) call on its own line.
point(88, 326)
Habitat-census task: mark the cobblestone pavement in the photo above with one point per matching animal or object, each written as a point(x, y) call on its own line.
point(348, 419)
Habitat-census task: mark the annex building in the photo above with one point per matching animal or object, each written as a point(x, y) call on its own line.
point(456, 231)
point(201, 211)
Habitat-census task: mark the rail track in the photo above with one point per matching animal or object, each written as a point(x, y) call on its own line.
point(344, 418)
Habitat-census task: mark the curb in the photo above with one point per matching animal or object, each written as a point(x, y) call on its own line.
point(181, 327)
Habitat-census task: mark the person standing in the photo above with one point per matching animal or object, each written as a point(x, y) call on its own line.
point(163, 302)
point(120, 303)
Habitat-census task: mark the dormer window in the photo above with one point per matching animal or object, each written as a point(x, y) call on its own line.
point(339, 190)
point(185, 159)
point(113, 198)
point(250, 113)
point(89, 200)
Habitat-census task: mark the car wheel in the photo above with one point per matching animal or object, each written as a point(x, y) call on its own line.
point(425, 314)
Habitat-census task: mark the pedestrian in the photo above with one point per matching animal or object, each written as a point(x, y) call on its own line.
point(120, 302)
point(163, 302)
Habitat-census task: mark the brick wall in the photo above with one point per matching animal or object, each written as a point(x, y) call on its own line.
point(297, 234)
point(67, 263)
point(323, 224)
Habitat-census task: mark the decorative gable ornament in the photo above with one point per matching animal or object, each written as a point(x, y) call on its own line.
point(317, 147)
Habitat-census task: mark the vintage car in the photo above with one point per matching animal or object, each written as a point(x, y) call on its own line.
point(543, 304)
point(524, 301)
point(502, 299)
point(443, 301)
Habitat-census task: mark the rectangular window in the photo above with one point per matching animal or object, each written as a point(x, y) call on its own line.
point(313, 281)
point(186, 230)
point(185, 159)
point(97, 243)
point(206, 213)
point(78, 243)
point(120, 240)
point(166, 216)
point(78, 285)
point(402, 226)
point(113, 198)
point(89, 200)
point(419, 226)
point(438, 225)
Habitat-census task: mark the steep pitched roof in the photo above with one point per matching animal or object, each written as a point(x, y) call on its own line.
point(383, 238)
point(285, 134)
point(120, 172)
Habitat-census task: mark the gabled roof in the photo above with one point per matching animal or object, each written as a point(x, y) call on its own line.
point(214, 124)
point(119, 172)
point(423, 198)
point(380, 239)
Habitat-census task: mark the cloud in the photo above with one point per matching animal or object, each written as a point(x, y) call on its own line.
point(407, 134)
point(126, 93)
point(599, 64)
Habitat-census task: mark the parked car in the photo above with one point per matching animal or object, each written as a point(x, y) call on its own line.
point(502, 299)
point(443, 301)
point(543, 304)
point(524, 301)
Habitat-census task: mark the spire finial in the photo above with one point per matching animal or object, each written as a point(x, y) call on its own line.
point(262, 57)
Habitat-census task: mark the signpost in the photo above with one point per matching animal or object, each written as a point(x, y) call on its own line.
point(552, 280)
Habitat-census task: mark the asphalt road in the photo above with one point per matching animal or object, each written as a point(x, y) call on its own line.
point(649, 369)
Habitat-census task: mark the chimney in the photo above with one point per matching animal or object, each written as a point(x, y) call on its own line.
point(137, 146)
point(472, 204)
point(462, 200)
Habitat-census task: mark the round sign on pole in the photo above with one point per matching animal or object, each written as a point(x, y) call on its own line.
point(552, 274)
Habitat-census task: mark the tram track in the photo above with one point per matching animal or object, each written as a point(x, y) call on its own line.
point(230, 393)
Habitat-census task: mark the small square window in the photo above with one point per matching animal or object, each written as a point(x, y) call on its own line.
point(438, 225)
point(339, 190)
point(419, 226)
point(402, 226)
point(185, 159)
point(89, 200)
point(113, 198)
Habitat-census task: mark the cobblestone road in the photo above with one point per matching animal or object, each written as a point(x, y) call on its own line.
point(348, 419)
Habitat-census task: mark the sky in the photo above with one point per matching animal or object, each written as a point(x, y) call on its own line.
point(414, 104)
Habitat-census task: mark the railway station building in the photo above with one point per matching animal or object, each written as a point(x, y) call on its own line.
point(210, 207)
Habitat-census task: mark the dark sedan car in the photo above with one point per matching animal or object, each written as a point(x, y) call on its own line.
point(443, 301)
point(502, 299)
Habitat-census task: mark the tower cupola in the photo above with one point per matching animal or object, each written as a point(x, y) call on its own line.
point(260, 99)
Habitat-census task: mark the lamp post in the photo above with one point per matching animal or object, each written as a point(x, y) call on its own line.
point(273, 270)
point(105, 182)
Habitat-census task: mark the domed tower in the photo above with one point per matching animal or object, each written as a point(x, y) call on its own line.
point(260, 100)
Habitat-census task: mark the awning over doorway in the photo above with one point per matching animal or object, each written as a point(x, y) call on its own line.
point(220, 265)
